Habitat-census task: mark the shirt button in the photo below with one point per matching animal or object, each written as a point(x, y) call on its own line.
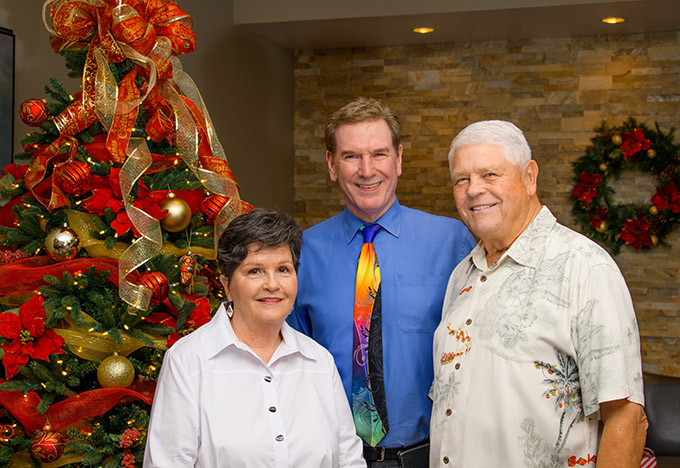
point(457, 365)
point(445, 460)
point(279, 438)
point(268, 378)
point(449, 412)
point(482, 279)
point(272, 409)
point(468, 322)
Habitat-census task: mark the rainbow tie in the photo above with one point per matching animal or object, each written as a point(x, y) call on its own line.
point(368, 387)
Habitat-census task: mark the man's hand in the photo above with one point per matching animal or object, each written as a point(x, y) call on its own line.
point(623, 436)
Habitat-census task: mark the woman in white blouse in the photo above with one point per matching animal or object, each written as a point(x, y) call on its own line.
point(246, 390)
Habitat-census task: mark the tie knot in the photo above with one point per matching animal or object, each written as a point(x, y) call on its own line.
point(370, 230)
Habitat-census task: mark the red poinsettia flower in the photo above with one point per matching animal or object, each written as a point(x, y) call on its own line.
point(668, 197)
point(633, 143)
point(635, 232)
point(30, 338)
point(587, 189)
point(596, 220)
point(106, 194)
point(18, 172)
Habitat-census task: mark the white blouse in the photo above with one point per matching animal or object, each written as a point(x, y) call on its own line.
point(218, 404)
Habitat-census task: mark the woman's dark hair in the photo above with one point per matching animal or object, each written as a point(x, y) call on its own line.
point(261, 227)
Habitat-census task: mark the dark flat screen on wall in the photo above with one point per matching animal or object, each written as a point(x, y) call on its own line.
point(6, 96)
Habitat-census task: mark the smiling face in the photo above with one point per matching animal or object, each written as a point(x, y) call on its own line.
point(495, 200)
point(262, 289)
point(366, 166)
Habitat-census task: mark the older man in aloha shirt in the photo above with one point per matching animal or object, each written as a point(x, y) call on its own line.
point(529, 347)
point(537, 357)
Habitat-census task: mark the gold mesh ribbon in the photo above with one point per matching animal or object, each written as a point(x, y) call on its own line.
point(83, 225)
point(187, 139)
point(23, 459)
point(95, 346)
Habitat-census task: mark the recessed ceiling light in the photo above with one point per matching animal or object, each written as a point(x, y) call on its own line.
point(613, 20)
point(423, 30)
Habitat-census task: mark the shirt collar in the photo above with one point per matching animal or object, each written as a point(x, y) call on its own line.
point(225, 338)
point(390, 221)
point(527, 248)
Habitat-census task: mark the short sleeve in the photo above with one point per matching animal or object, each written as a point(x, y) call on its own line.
point(606, 339)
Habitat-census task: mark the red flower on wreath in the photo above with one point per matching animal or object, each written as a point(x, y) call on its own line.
point(635, 232)
point(668, 197)
point(596, 220)
point(633, 143)
point(30, 338)
point(587, 189)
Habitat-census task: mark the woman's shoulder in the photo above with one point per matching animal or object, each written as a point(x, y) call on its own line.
point(311, 349)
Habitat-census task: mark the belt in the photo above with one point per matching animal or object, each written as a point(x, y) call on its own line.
point(378, 454)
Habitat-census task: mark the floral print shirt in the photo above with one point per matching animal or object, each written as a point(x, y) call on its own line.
point(527, 349)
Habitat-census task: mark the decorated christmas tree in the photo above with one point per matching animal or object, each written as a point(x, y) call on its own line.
point(108, 228)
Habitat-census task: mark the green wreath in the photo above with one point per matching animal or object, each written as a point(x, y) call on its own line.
point(614, 150)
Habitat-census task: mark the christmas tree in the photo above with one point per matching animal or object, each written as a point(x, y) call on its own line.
point(108, 223)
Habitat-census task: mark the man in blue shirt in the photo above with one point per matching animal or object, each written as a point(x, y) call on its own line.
point(416, 252)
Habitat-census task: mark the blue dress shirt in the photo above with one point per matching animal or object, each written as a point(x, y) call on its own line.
point(417, 253)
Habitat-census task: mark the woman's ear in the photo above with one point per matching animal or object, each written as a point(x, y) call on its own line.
point(225, 284)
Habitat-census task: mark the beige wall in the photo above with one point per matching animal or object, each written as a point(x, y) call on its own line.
point(246, 82)
point(556, 90)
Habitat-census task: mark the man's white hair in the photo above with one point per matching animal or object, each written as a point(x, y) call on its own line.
point(495, 132)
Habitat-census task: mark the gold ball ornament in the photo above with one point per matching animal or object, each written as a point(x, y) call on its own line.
point(602, 227)
point(178, 216)
point(654, 239)
point(617, 140)
point(62, 243)
point(603, 167)
point(653, 210)
point(651, 154)
point(115, 372)
point(48, 446)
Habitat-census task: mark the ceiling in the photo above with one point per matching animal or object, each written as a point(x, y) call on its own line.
point(322, 24)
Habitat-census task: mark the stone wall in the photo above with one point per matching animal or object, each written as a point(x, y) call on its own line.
point(556, 90)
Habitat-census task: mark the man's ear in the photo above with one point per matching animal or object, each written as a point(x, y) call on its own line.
point(331, 166)
point(530, 177)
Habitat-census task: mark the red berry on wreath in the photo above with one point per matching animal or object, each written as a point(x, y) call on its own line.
point(33, 112)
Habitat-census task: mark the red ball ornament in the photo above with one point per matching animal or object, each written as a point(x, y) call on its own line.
point(29, 147)
point(157, 282)
point(74, 177)
point(48, 446)
point(211, 206)
point(33, 112)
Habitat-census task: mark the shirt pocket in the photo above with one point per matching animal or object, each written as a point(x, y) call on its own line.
point(419, 302)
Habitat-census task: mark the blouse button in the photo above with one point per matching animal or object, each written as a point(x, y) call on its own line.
point(449, 412)
point(272, 409)
point(457, 365)
point(445, 460)
point(468, 322)
point(482, 279)
point(279, 438)
point(268, 378)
